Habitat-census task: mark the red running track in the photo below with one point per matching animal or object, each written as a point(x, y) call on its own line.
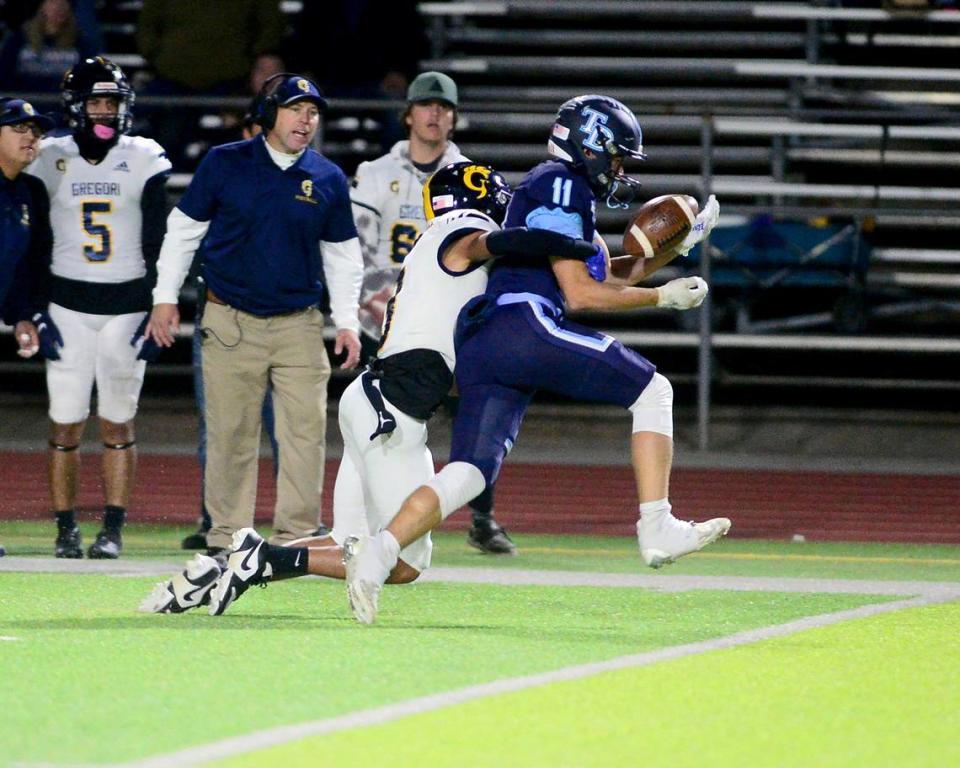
point(536, 498)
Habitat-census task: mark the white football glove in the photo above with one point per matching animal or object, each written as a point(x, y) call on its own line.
point(705, 221)
point(682, 293)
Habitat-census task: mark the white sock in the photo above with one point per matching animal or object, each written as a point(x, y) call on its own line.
point(651, 510)
point(387, 548)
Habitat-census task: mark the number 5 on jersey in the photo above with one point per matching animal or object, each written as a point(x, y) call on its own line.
point(102, 249)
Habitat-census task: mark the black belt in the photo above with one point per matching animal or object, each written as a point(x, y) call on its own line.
point(386, 421)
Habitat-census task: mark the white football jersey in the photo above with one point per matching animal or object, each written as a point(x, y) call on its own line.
point(95, 210)
point(423, 313)
point(387, 196)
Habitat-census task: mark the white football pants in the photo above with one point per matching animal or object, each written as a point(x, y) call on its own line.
point(96, 348)
point(375, 476)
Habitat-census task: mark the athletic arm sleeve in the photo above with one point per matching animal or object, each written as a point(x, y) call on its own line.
point(153, 205)
point(183, 237)
point(343, 268)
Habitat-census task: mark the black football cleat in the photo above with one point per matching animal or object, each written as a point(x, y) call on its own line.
point(69, 544)
point(489, 537)
point(107, 546)
point(196, 540)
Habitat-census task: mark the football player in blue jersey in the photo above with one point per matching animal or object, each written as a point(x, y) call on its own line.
point(525, 302)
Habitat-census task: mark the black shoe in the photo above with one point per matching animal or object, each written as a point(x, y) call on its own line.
point(2, 551)
point(69, 544)
point(196, 540)
point(322, 530)
point(489, 537)
point(106, 547)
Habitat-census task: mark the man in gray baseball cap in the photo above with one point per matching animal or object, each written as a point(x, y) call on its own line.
point(432, 86)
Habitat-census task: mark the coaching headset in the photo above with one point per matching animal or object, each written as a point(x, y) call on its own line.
point(280, 90)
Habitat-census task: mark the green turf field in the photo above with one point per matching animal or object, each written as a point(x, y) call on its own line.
point(689, 666)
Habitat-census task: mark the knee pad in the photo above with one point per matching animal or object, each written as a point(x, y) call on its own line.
point(62, 448)
point(653, 410)
point(455, 485)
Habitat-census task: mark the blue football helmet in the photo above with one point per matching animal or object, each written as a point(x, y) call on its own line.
point(590, 132)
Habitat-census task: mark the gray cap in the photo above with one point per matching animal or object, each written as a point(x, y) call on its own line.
point(433, 85)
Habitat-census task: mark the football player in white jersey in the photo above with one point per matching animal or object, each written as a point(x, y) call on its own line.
point(388, 210)
point(383, 413)
point(108, 209)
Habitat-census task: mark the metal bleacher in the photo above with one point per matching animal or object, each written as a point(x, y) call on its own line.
point(798, 112)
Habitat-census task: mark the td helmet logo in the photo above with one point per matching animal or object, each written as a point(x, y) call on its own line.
point(595, 127)
point(303, 85)
point(472, 182)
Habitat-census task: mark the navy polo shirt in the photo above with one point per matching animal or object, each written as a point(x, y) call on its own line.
point(24, 244)
point(261, 253)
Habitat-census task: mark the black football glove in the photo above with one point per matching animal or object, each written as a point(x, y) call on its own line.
point(51, 342)
point(149, 349)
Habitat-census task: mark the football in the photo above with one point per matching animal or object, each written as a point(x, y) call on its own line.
point(660, 225)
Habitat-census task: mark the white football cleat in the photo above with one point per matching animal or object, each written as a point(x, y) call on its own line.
point(363, 589)
point(663, 539)
point(246, 566)
point(189, 589)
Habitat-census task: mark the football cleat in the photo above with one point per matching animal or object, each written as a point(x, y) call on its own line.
point(246, 566)
point(663, 539)
point(489, 537)
point(69, 544)
point(107, 546)
point(188, 589)
point(363, 592)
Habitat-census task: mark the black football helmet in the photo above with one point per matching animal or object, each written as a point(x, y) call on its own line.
point(466, 185)
point(609, 130)
point(96, 76)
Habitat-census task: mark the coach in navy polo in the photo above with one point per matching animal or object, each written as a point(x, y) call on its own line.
point(264, 215)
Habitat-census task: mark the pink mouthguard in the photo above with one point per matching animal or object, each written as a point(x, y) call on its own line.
point(104, 132)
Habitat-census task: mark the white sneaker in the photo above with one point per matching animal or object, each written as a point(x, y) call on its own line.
point(363, 583)
point(189, 589)
point(663, 539)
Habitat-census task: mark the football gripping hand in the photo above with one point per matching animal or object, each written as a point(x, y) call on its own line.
point(51, 342)
point(149, 349)
point(522, 241)
point(682, 293)
point(706, 221)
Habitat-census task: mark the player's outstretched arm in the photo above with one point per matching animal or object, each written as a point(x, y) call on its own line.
point(521, 241)
point(581, 291)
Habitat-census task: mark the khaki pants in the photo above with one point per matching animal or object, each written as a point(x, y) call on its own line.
point(241, 353)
